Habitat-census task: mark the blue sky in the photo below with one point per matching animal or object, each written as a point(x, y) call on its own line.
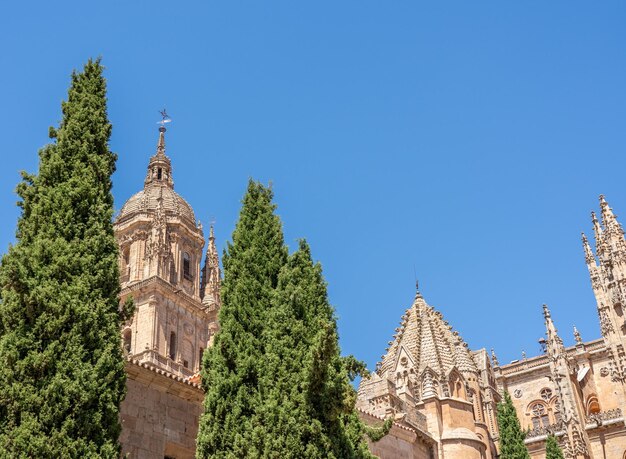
point(465, 141)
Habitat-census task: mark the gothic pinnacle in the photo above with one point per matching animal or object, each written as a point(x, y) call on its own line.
point(589, 258)
point(546, 312)
point(494, 358)
point(609, 221)
point(577, 336)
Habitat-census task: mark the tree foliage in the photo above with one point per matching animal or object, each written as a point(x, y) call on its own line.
point(276, 385)
point(511, 434)
point(61, 367)
point(553, 451)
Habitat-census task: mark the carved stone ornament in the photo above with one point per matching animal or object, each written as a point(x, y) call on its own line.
point(517, 393)
point(173, 319)
point(188, 328)
point(604, 371)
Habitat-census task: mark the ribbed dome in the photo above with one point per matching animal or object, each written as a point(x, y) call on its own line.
point(158, 187)
point(429, 342)
point(147, 200)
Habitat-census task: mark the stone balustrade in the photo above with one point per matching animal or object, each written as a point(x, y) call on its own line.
point(604, 417)
point(542, 431)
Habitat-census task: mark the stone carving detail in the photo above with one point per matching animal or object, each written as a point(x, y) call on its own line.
point(517, 393)
point(188, 328)
point(545, 430)
point(602, 416)
point(604, 371)
point(605, 323)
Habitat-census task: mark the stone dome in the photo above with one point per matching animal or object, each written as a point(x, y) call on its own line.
point(147, 201)
point(429, 341)
point(158, 190)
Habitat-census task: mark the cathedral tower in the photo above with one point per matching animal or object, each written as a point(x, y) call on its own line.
point(160, 254)
point(608, 280)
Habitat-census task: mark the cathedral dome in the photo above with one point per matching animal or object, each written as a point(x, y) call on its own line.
point(147, 200)
point(427, 341)
point(158, 191)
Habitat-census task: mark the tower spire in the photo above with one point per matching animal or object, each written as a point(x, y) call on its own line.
point(554, 341)
point(160, 166)
point(211, 275)
point(609, 221)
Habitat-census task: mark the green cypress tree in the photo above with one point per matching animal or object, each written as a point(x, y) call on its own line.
point(553, 450)
point(61, 366)
point(511, 434)
point(308, 399)
point(275, 384)
point(232, 367)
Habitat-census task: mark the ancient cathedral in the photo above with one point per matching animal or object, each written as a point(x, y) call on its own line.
point(441, 394)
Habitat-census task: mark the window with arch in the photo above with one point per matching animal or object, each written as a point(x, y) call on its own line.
point(539, 415)
point(457, 388)
point(173, 346)
point(593, 406)
point(186, 266)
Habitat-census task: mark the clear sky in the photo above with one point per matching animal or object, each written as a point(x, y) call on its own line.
point(464, 141)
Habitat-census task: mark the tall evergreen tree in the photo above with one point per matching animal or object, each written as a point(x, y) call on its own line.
point(511, 434)
point(61, 366)
point(553, 450)
point(275, 384)
point(232, 367)
point(309, 401)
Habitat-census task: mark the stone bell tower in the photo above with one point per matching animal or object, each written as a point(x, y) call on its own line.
point(160, 254)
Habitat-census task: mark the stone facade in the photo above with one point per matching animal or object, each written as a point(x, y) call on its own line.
point(579, 393)
point(441, 395)
point(576, 393)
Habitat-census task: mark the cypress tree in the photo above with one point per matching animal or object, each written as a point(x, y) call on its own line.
point(275, 384)
point(309, 401)
point(511, 434)
point(553, 451)
point(232, 367)
point(61, 366)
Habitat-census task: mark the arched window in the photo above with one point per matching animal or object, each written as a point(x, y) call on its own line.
point(200, 353)
point(593, 406)
point(546, 393)
point(539, 415)
point(173, 346)
point(186, 266)
point(159, 173)
point(128, 336)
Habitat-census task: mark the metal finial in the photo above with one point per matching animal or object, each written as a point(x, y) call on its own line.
point(165, 118)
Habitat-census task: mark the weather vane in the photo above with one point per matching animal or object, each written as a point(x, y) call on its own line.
point(165, 118)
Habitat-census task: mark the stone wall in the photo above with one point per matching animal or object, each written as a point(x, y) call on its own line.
point(159, 414)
